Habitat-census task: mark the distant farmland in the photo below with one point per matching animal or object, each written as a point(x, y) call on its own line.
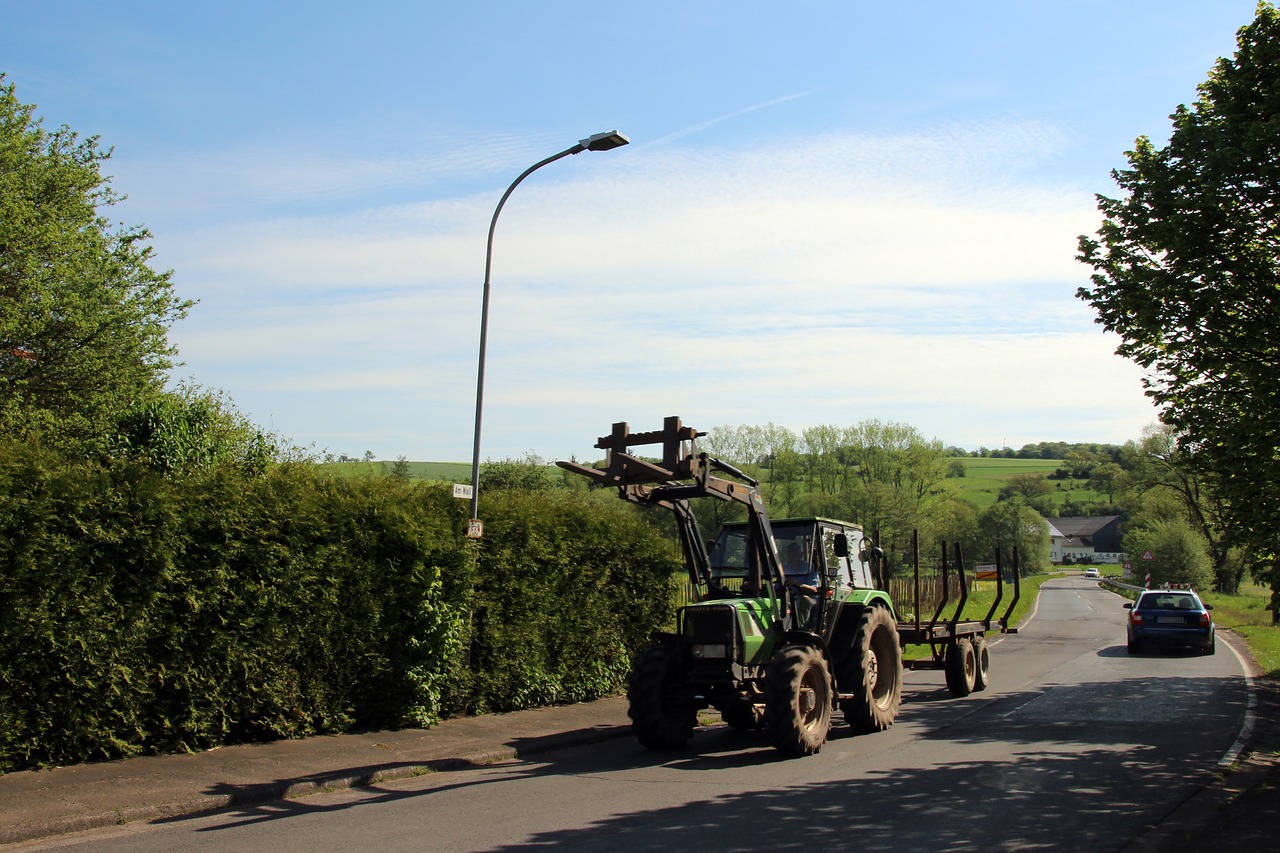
point(981, 484)
point(449, 472)
point(984, 478)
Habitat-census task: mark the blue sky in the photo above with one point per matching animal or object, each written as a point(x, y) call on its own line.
point(828, 212)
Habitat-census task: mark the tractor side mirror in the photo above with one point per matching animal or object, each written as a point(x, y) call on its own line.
point(842, 545)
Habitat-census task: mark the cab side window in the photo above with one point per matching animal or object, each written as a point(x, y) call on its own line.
point(861, 571)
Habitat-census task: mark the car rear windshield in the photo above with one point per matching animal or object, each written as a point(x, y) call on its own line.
point(1169, 601)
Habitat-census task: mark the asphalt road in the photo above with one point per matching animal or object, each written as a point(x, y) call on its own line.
point(1075, 745)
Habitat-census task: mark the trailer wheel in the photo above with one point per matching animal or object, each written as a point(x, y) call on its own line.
point(961, 667)
point(982, 663)
point(873, 673)
point(659, 720)
point(798, 700)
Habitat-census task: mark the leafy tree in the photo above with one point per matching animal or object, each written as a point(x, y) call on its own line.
point(1012, 524)
point(401, 470)
point(1106, 479)
point(822, 446)
point(953, 519)
point(191, 429)
point(783, 487)
point(1166, 485)
point(530, 474)
point(899, 474)
point(1186, 266)
point(1179, 553)
point(1080, 462)
point(83, 316)
point(1034, 489)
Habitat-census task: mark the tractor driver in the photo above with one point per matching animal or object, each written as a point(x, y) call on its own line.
point(802, 577)
point(798, 571)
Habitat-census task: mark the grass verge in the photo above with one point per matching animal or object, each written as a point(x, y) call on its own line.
point(1246, 614)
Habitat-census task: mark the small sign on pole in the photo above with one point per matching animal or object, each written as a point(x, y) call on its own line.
point(462, 490)
point(475, 529)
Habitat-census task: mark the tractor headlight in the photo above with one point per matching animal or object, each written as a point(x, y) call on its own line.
point(704, 651)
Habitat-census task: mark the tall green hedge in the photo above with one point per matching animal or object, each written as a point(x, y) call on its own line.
point(142, 612)
point(570, 585)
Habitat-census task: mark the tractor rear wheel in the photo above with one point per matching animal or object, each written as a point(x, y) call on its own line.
point(659, 719)
point(873, 673)
point(798, 700)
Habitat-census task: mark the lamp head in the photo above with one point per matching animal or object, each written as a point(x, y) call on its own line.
point(604, 141)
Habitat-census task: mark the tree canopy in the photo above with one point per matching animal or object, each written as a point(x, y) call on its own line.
point(83, 316)
point(1187, 273)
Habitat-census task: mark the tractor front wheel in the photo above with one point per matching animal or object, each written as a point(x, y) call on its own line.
point(660, 719)
point(798, 700)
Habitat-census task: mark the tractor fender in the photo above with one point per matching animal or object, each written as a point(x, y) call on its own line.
point(803, 638)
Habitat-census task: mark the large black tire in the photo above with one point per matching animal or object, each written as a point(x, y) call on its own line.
point(982, 663)
point(961, 667)
point(798, 700)
point(659, 719)
point(872, 673)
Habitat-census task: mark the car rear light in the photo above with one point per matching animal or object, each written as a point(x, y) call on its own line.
point(1135, 617)
point(1205, 621)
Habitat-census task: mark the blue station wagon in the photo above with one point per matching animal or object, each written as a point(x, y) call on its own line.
point(1170, 618)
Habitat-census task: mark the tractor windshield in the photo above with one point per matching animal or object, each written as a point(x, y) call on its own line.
point(729, 557)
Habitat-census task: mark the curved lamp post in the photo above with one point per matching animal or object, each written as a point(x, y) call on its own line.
point(595, 142)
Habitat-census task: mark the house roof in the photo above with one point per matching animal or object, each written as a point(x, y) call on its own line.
point(1081, 526)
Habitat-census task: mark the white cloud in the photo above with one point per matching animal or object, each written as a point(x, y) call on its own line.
point(928, 279)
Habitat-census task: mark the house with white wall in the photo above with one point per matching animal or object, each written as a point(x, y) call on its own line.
point(1085, 539)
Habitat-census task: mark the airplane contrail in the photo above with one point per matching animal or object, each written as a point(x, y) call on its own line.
point(704, 125)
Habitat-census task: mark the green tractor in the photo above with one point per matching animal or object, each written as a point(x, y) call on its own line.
point(772, 645)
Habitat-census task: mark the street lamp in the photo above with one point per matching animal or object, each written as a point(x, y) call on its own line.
point(595, 142)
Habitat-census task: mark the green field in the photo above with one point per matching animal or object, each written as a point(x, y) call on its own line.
point(984, 478)
point(449, 472)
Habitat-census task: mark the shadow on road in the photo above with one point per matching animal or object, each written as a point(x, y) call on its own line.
point(1073, 767)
